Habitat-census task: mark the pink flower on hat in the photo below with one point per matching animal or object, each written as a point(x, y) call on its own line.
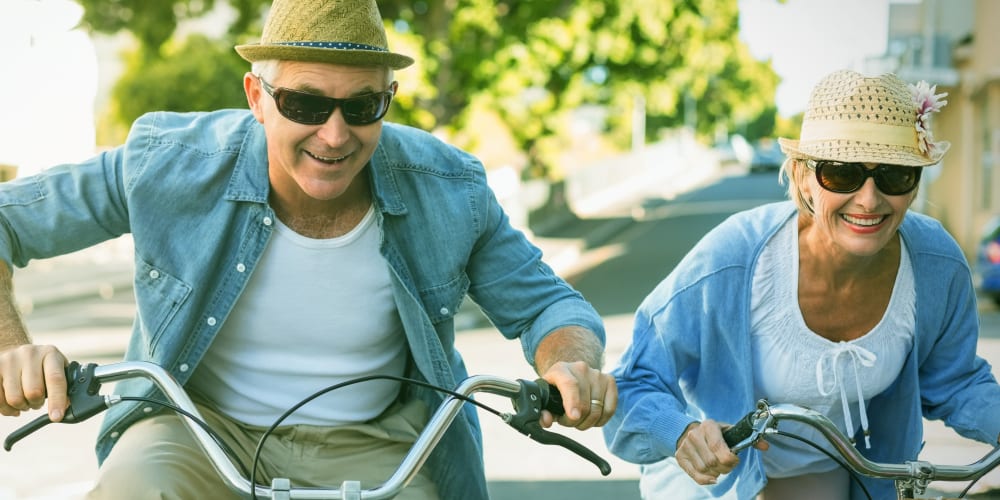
point(927, 102)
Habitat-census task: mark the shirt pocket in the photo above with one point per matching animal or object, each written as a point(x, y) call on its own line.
point(159, 296)
point(442, 302)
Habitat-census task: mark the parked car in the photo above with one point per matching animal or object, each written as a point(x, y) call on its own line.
point(734, 152)
point(987, 272)
point(767, 156)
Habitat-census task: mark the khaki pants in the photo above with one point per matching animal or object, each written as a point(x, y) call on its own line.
point(158, 458)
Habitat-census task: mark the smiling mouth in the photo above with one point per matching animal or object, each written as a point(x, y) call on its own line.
point(863, 221)
point(327, 159)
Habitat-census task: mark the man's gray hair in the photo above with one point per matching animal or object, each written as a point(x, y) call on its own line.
point(268, 69)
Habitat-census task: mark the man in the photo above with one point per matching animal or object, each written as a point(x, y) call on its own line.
point(286, 248)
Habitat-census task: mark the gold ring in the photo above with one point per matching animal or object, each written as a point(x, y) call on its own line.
point(597, 402)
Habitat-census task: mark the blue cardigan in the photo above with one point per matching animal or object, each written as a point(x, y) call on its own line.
point(689, 357)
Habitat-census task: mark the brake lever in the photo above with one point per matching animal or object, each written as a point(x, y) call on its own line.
point(749, 429)
point(530, 400)
point(85, 401)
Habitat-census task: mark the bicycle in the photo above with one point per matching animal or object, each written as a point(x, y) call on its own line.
point(528, 398)
point(911, 478)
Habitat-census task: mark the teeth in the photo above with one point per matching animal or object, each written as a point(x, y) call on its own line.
point(863, 222)
point(325, 158)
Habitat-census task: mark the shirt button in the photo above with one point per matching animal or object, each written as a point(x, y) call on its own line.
point(147, 409)
point(154, 274)
point(114, 435)
point(444, 310)
point(184, 367)
point(268, 221)
point(240, 267)
point(211, 321)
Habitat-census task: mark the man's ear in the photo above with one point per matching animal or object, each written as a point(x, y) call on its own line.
point(254, 92)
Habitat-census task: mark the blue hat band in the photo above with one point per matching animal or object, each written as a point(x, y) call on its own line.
point(333, 45)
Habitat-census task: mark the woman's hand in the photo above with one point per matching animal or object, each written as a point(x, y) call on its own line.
point(703, 453)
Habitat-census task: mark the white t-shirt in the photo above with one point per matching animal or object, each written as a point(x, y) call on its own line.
point(316, 312)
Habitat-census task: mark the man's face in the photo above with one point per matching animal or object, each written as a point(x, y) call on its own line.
point(315, 162)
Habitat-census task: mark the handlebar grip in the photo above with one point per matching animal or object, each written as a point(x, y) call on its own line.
point(551, 398)
point(740, 431)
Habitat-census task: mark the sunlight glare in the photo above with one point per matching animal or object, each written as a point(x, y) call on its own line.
point(51, 82)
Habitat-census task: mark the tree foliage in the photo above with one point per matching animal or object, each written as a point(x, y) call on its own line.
point(532, 63)
point(197, 74)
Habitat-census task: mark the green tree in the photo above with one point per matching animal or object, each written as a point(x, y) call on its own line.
point(532, 63)
point(197, 74)
point(153, 22)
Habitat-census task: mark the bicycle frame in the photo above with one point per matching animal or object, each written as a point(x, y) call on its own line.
point(911, 478)
point(527, 397)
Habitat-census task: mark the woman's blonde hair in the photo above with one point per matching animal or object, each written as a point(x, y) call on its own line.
point(793, 171)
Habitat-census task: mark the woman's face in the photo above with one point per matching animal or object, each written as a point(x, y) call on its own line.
point(860, 223)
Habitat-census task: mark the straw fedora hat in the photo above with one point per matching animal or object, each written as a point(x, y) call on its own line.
point(329, 31)
point(855, 118)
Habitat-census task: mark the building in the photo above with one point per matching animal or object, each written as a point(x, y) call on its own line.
point(953, 43)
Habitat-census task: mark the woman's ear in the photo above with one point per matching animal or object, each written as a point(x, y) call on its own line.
point(802, 183)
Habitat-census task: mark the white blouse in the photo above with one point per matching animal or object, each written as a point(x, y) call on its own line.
point(793, 364)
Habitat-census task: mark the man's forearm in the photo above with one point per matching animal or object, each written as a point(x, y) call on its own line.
point(12, 330)
point(570, 343)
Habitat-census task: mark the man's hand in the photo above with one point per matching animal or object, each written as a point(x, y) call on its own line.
point(589, 396)
point(570, 359)
point(28, 375)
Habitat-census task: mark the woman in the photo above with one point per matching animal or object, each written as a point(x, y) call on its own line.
point(840, 300)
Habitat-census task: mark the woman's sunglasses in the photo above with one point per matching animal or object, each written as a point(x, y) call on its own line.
point(314, 109)
point(849, 177)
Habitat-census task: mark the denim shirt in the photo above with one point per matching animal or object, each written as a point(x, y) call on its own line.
point(192, 189)
point(683, 367)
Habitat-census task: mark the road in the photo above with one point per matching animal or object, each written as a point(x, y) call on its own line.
point(614, 273)
point(617, 275)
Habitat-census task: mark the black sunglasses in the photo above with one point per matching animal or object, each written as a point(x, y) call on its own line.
point(315, 109)
point(849, 177)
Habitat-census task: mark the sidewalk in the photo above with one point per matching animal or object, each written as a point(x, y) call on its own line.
point(99, 271)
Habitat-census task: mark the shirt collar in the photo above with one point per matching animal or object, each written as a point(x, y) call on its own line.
point(250, 181)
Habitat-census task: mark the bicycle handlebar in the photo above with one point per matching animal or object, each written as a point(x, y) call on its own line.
point(528, 398)
point(911, 477)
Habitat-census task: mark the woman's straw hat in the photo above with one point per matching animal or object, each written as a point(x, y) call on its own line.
point(329, 31)
point(854, 118)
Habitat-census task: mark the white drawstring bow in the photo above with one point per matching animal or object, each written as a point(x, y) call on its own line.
point(857, 354)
